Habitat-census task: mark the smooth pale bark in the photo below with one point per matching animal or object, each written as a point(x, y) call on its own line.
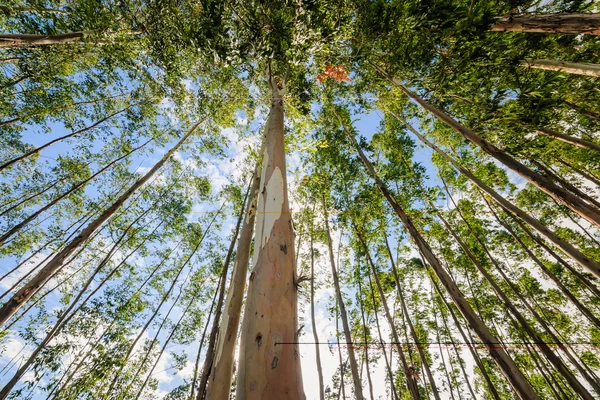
point(312, 315)
point(219, 384)
point(269, 365)
point(343, 313)
point(8, 163)
point(581, 143)
point(444, 365)
point(411, 327)
point(576, 24)
point(342, 388)
point(592, 214)
point(506, 364)
point(210, 354)
point(32, 287)
point(411, 382)
point(587, 263)
point(28, 40)
point(575, 68)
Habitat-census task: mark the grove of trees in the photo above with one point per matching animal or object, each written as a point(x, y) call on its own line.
point(196, 195)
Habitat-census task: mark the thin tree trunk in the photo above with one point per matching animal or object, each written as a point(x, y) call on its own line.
point(365, 336)
point(18, 227)
point(575, 254)
point(502, 359)
point(344, 314)
point(158, 307)
point(219, 385)
point(581, 143)
point(411, 382)
point(553, 358)
point(583, 111)
point(453, 343)
point(584, 174)
point(575, 68)
point(201, 344)
point(342, 364)
point(411, 327)
point(387, 361)
point(439, 341)
point(576, 24)
point(28, 40)
point(210, 354)
point(269, 365)
point(592, 214)
point(11, 306)
point(8, 163)
point(312, 313)
point(583, 309)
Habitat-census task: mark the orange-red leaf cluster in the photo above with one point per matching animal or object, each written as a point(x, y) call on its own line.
point(337, 72)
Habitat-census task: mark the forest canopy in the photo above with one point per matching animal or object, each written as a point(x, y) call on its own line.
point(292, 199)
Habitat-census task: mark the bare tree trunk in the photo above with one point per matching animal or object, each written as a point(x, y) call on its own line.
point(577, 170)
point(502, 359)
point(576, 24)
point(8, 163)
point(553, 358)
point(387, 361)
point(411, 327)
point(439, 341)
point(18, 227)
point(158, 307)
point(589, 264)
point(25, 293)
point(581, 143)
point(592, 214)
point(409, 372)
point(344, 314)
point(575, 68)
point(312, 313)
point(365, 336)
point(583, 111)
point(583, 309)
point(28, 40)
point(210, 354)
point(342, 364)
point(269, 365)
point(219, 384)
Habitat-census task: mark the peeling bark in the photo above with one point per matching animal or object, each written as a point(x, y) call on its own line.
point(576, 24)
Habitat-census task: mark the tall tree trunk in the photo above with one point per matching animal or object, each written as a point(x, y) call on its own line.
point(210, 354)
point(339, 348)
point(577, 170)
point(592, 214)
point(439, 342)
point(158, 307)
point(312, 313)
point(502, 359)
point(18, 227)
point(576, 24)
point(575, 68)
point(344, 314)
point(553, 358)
point(581, 143)
point(582, 308)
point(269, 365)
point(409, 372)
point(587, 263)
point(32, 287)
point(219, 384)
point(411, 327)
point(8, 163)
point(28, 40)
point(365, 336)
point(583, 111)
